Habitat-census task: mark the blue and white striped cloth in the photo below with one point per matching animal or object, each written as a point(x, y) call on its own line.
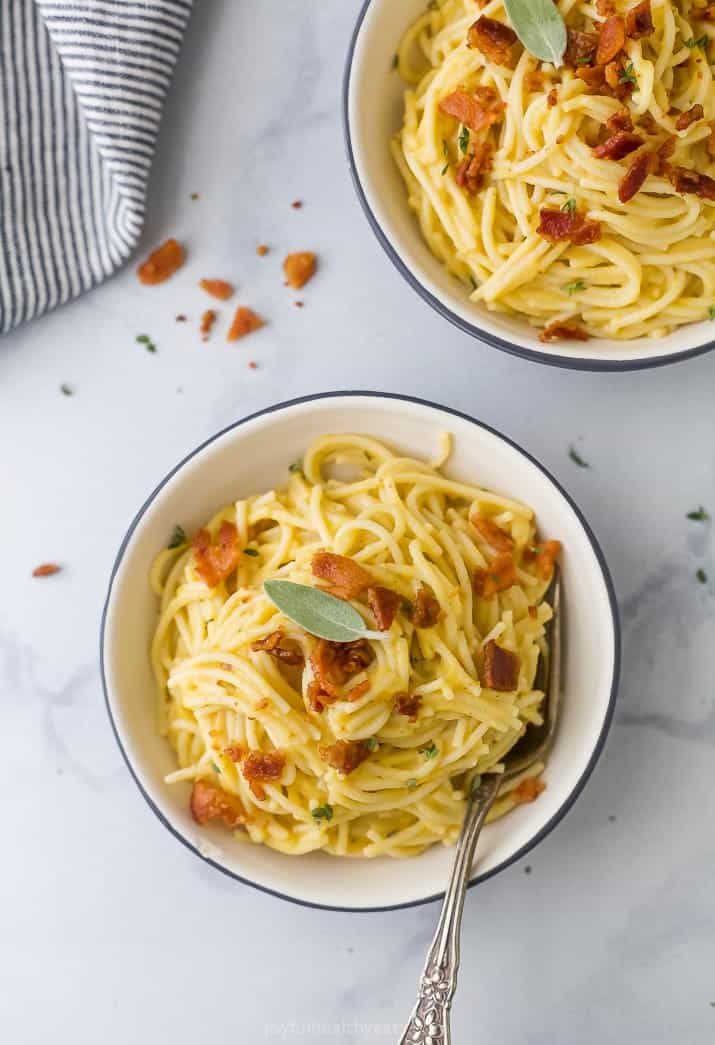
point(82, 86)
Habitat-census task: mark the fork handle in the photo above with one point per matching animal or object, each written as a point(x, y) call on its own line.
point(429, 1022)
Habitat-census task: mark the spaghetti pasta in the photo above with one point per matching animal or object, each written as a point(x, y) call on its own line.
point(479, 186)
point(367, 748)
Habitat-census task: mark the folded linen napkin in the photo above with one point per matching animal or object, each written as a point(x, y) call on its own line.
point(82, 87)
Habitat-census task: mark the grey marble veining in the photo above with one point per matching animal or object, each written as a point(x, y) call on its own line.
point(110, 930)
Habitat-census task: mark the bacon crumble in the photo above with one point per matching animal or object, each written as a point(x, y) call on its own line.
point(217, 288)
point(245, 321)
point(558, 225)
point(299, 268)
point(501, 668)
point(161, 263)
point(345, 755)
point(620, 120)
point(636, 174)
point(346, 577)
point(498, 576)
point(580, 47)
point(209, 802)
point(470, 173)
point(543, 556)
point(207, 321)
point(215, 562)
point(271, 644)
point(611, 39)
point(495, 537)
point(494, 39)
point(560, 331)
point(477, 110)
point(332, 664)
point(408, 704)
point(688, 181)
point(259, 766)
point(528, 790)
point(690, 116)
point(618, 145)
point(384, 603)
point(46, 569)
point(426, 611)
point(639, 21)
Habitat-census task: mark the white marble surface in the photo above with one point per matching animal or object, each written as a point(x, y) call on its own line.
point(110, 930)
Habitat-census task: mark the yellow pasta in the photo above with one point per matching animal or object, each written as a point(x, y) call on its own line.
point(409, 526)
point(653, 269)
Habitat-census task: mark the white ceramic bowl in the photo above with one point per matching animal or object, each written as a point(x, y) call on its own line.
point(253, 455)
point(372, 111)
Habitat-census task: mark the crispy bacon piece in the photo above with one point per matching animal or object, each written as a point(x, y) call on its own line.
point(528, 790)
point(357, 691)
point(299, 268)
point(534, 81)
point(234, 751)
point(342, 573)
point(543, 556)
point(494, 39)
point(46, 569)
point(662, 155)
point(345, 755)
point(499, 575)
point(580, 47)
point(639, 21)
point(532, 612)
point(605, 8)
point(618, 146)
point(691, 115)
point(611, 39)
point(593, 76)
point(272, 645)
point(210, 802)
point(245, 321)
point(214, 562)
point(470, 172)
point(560, 331)
point(558, 225)
point(621, 120)
point(427, 610)
point(636, 173)
point(495, 537)
point(217, 288)
point(552, 97)
point(408, 704)
point(477, 110)
point(384, 603)
point(207, 321)
point(161, 263)
point(501, 668)
point(259, 766)
point(262, 249)
point(686, 180)
point(333, 663)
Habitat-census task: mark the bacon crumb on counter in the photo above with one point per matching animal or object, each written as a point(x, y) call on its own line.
point(262, 249)
point(161, 263)
point(217, 288)
point(299, 304)
point(501, 668)
point(345, 755)
point(259, 766)
point(639, 21)
point(621, 120)
point(559, 331)
point(494, 39)
point(499, 575)
point(469, 173)
point(427, 610)
point(618, 145)
point(272, 645)
point(559, 225)
point(299, 268)
point(209, 802)
point(297, 204)
point(691, 115)
point(46, 569)
point(408, 704)
point(611, 39)
point(580, 47)
point(214, 562)
point(207, 321)
point(384, 603)
point(543, 556)
point(181, 318)
point(495, 537)
point(636, 173)
point(342, 573)
point(528, 790)
point(245, 321)
point(253, 365)
point(477, 110)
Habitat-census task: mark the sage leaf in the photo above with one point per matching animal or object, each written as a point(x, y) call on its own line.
point(540, 27)
point(318, 612)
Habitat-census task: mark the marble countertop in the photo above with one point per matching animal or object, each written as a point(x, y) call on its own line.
point(111, 931)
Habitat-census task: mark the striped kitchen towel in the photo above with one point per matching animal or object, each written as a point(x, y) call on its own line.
point(82, 86)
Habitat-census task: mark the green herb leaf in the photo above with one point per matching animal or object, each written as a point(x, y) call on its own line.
point(711, 312)
point(251, 551)
point(445, 168)
point(628, 75)
point(570, 206)
point(66, 390)
point(571, 288)
point(318, 612)
point(463, 140)
point(473, 281)
point(324, 812)
point(584, 60)
point(395, 61)
point(297, 466)
point(411, 783)
point(540, 27)
point(701, 41)
point(431, 751)
point(445, 147)
point(702, 576)
point(698, 515)
point(372, 743)
point(215, 767)
point(178, 537)
point(576, 458)
point(476, 784)
point(144, 339)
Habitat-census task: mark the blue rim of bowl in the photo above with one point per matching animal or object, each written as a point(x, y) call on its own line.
point(475, 331)
point(615, 623)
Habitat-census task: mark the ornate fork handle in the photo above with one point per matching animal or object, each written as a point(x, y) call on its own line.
point(429, 1022)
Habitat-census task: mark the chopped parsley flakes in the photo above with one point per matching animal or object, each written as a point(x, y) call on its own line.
point(66, 390)
point(576, 457)
point(250, 551)
point(463, 140)
point(711, 312)
point(572, 288)
point(570, 205)
point(144, 339)
point(700, 41)
point(178, 537)
point(698, 515)
point(628, 75)
point(215, 767)
point(431, 751)
point(324, 812)
point(411, 783)
point(701, 575)
point(297, 466)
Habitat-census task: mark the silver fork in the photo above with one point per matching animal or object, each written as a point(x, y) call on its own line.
point(429, 1022)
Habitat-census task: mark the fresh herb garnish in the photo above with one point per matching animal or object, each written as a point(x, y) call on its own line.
point(576, 457)
point(473, 281)
point(628, 75)
point(178, 537)
point(372, 743)
point(463, 139)
point(144, 339)
point(570, 206)
point(411, 783)
point(407, 607)
point(701, 575)
point(318, 612)
point(583, 60)
point(445, 168)
point(251, 551)
point(540, 26)
point(324, 812)
point(698, 515)
point(701, 41)
point(66, 390)
point(297, 466)
point(215, 767)
point(571, 288)
point(431, 751)
point(711, 312)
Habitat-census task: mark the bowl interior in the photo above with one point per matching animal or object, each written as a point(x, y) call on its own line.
point(254, 456)
point(374, 108)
